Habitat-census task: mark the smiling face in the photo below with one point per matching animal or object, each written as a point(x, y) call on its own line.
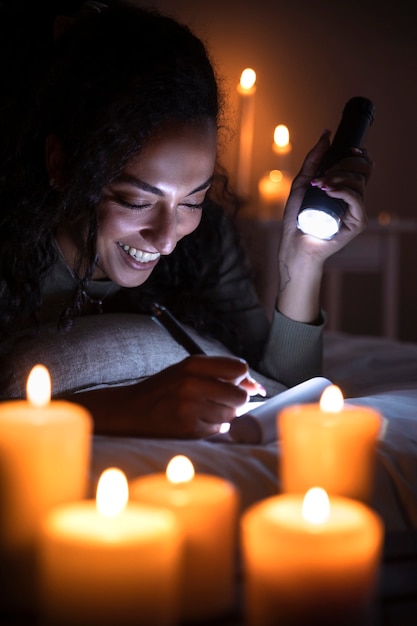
point(155, 202)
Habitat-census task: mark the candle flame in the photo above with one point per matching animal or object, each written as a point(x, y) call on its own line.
point(180, 469)
point(316, 506)
point(281, 135)
point(38, 386)
point(247, 78)
point(112, 492)
point(275, 176)
point(331, 400)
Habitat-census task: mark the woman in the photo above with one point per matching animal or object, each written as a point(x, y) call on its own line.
point(112, 197)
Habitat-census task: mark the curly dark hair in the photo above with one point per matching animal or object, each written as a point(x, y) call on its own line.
point(111, 78)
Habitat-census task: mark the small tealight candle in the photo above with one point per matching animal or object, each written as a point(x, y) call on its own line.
point(273, 189)
point(45, 451)
point(109, 561)
point(331, 444)
point(206, 507)
point(310, 560)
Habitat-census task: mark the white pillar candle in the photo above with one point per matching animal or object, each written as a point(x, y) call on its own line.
point(103, 564)
point(206, 507)
point(45, 451)
point(246, 90)
point(303, 565)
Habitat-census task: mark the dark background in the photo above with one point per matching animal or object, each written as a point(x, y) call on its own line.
point(310, 58)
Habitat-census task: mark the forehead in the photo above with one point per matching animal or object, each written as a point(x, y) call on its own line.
point(178, 151)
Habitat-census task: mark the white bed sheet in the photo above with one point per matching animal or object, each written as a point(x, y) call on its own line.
point(370, 371)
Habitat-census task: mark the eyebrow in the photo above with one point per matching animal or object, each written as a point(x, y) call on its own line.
point(141, 184)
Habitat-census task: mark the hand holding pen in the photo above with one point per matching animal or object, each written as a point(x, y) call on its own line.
point(190, 399)
point(163, 317)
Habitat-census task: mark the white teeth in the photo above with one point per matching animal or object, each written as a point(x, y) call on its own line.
point(139, 255)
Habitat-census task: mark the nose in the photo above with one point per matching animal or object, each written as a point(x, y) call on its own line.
point(162, 232)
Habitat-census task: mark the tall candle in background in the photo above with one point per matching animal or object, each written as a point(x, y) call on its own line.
point(282, 147)
point(331, 445)
point(44, 460)
point(110, 562)
point(310, 561)
point(246, 90)
point(206, 507)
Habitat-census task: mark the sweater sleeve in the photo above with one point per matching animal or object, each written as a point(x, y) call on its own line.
point(287, 351)
point(293, 350)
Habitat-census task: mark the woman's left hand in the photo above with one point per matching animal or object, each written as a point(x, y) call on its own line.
point(302, 257)
point(347, 180)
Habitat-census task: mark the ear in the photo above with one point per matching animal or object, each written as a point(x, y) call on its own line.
point(54, 158)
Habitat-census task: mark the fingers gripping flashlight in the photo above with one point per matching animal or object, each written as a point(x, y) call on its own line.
point(320, 215)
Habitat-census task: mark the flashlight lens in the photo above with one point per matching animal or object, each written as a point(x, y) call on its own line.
point(318, 223)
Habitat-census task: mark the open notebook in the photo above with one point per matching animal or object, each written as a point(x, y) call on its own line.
point(257, 421)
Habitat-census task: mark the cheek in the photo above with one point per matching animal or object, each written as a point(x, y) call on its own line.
point(189, 223)
point(105, 221)
point(111, 223)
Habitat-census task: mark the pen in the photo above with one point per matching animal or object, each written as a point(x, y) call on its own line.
point(166, 320)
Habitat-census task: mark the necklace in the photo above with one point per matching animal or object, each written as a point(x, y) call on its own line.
point(98, 290)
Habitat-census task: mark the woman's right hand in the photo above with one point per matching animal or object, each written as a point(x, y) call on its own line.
point(188, 400)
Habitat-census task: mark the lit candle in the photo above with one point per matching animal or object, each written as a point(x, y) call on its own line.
point(330, 444)
point(281, 143)
point(109, 561)
point(310, 561)
point(246, 90)
point(281, 146)
point(45, 455)
point(273, 189)
point(206, 507)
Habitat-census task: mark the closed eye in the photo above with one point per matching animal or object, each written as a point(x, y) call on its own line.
point(196, 205)
point(193, 206)
point(136, 207)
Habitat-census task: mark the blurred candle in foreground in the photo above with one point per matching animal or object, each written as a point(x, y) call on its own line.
point(206, 508)
point(246, 89)
point(331, 444)
point(107, 561)
point(310, 560)
point(45, 456)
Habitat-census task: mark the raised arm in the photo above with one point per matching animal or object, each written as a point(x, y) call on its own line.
point(302, 257)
